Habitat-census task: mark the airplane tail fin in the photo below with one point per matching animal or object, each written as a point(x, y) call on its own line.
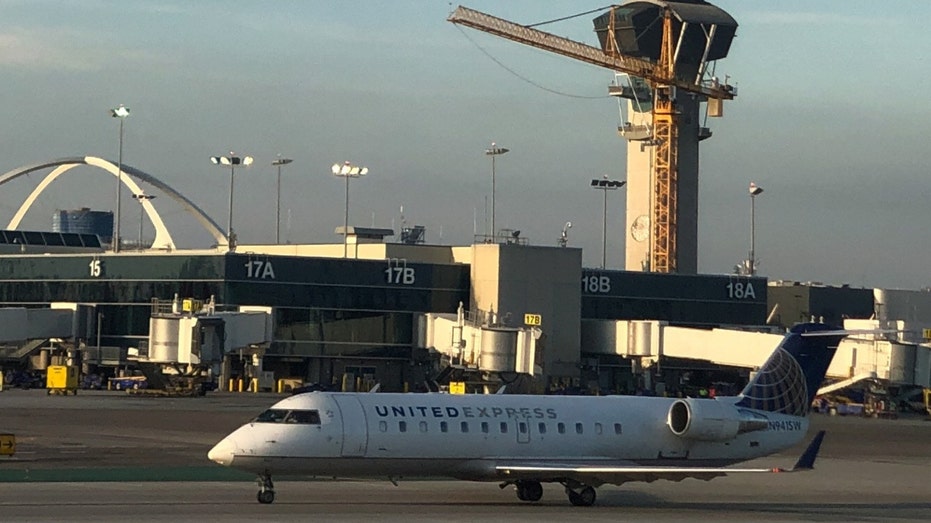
point(788, 381)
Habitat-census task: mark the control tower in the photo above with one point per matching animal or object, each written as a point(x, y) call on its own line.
point(702, 33)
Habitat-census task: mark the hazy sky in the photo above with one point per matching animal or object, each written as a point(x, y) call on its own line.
point(833, 119)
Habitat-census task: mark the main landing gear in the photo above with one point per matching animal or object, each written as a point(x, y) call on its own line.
point(266, 493)
point(579, 495)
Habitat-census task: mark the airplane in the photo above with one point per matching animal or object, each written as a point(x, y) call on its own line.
point(581, 442)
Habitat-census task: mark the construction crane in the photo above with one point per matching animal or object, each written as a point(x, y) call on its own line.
point(665, 74)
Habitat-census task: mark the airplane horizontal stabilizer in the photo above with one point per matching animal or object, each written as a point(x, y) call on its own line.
point(807, 460)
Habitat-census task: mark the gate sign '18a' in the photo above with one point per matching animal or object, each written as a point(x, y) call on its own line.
point(741, 290)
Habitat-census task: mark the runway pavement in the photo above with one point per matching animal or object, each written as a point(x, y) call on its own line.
point(111, 457)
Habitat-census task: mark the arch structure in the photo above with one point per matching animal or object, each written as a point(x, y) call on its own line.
point(163, 239)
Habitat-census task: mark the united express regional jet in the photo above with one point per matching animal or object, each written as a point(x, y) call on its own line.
point(523, 440)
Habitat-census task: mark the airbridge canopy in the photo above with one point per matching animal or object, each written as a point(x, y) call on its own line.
point(894, 362)
point(20, 323)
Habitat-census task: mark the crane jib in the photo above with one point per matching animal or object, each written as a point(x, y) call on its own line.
point(579, 51)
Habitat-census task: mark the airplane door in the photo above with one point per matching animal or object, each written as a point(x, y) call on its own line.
point(355, 432)
point(523, 431)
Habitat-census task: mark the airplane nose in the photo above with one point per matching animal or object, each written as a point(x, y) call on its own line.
point(222, 452)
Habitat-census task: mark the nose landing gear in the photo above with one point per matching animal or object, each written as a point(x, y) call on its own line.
point(529, 490)
point(266, 492)
point(581, 496)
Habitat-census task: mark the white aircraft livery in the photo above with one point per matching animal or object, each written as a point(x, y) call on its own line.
point(581, 442)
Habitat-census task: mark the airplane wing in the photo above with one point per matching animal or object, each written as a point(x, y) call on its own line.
point(598, 472)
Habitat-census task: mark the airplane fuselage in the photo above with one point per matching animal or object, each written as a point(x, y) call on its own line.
point(467, 436)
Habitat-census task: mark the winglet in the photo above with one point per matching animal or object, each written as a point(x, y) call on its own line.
point(807, 460)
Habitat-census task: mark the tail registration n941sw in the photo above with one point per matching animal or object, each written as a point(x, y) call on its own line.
point(522, 440)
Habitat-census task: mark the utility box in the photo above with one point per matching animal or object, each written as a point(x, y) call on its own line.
point(62, 379)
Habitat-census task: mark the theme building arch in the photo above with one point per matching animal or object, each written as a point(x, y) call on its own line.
point(163, 239)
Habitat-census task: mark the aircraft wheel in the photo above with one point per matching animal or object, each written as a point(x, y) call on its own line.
point(266, 496)
point(521, 495)
point(583, 498)
point(529, 490)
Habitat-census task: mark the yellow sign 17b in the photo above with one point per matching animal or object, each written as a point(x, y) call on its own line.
point(533, 319)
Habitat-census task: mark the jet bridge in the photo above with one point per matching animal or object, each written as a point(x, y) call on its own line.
point(191, 342)
point(649, 341)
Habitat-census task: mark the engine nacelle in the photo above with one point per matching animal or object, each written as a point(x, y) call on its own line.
point(711, 420)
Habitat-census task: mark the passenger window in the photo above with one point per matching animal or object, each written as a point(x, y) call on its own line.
point(383, 426)
point(542, 428)
point(485, 427)
point(617, 428)
point(402, 426)
point(464, 426)
point(561, 428)
point(444, 427)
point(578, 428)
point(504, 427)
point(598, 428)
point(423, 426)
point(522, 427)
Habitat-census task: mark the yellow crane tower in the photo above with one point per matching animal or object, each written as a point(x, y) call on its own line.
point(681, 65)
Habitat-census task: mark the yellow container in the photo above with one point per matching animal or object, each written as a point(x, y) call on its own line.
point(7, 444)
point(62, 377)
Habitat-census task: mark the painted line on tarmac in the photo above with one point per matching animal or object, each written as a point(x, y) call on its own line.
point(123, 474)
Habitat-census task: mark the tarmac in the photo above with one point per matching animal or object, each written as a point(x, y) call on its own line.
point(109, 456)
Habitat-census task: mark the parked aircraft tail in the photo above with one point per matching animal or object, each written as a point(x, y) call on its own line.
point(788, 381)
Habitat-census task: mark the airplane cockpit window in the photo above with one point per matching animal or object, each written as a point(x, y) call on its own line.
point(303, 417)
point(299, 417)
point(272, 416)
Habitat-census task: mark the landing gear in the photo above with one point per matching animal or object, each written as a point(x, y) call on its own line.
point(581, 497)
point(266, 493)
point(529, 490)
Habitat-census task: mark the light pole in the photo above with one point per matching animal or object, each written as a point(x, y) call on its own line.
point(755, 190)
point(494, 151)
point(604, 184)
point(347, 171)
point(278, 163)
point(120, 112)
point(232, 160)
point(142, 198)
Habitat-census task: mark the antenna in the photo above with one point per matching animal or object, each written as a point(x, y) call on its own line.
point(564, 237)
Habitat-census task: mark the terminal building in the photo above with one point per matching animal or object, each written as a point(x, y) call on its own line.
point(414, 316)
point(376, 313)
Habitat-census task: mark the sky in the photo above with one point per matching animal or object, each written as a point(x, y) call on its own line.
point(832, 119)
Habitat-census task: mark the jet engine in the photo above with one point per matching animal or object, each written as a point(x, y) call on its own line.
point(711, 420)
